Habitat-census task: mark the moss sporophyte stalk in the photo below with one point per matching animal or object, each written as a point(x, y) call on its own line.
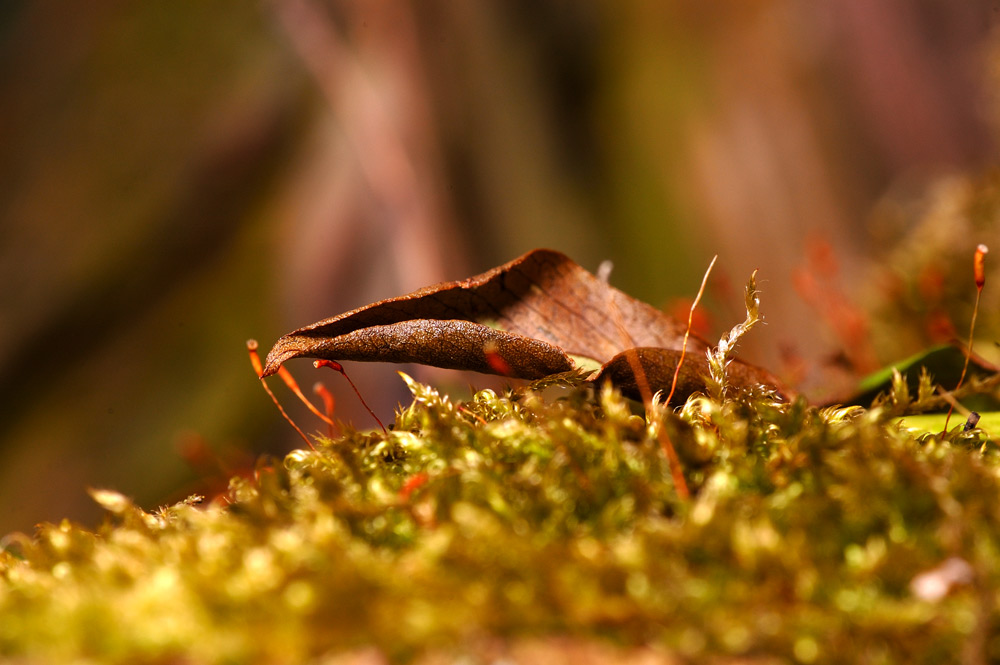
point(543, 512)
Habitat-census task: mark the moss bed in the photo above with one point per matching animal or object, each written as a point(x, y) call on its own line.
point(543, 523)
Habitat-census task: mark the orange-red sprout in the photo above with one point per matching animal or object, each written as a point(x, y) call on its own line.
point(259, 369)
point(293, 385)
point(334, 365)
point(979, 273)
point(329, 404)
point(978, 268)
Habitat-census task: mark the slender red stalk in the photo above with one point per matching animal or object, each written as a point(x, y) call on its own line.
point(465, 409)
point(676, 470)
point(293, 385)
point(328, 404)
point(258, 367)
point(334, 365)
point(642, 382)
point(979, 274)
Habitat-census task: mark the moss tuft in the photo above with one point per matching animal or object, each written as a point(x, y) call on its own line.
point(545, 512)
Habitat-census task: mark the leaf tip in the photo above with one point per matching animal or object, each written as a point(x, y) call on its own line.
point(284, 349)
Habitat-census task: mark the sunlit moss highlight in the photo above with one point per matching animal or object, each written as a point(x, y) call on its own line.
point(540, 512)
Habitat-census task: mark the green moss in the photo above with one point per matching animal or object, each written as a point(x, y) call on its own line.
point(539, 512)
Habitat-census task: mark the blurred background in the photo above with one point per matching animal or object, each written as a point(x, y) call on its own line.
point(178, 177)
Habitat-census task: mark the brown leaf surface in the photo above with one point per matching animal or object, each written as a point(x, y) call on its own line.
point(659, 366)
point(542, 299)
point(532, 314)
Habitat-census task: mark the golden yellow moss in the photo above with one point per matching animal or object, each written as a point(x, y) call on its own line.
point(546, 511)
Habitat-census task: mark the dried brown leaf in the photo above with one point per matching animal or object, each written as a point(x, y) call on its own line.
point(526, 319)
point(541, 303)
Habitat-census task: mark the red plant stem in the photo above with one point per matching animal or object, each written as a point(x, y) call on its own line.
point(293, 385)
point(334, 365)
point(328, 404)
point(642, 382)
point(979, 274)
point(258, 367)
